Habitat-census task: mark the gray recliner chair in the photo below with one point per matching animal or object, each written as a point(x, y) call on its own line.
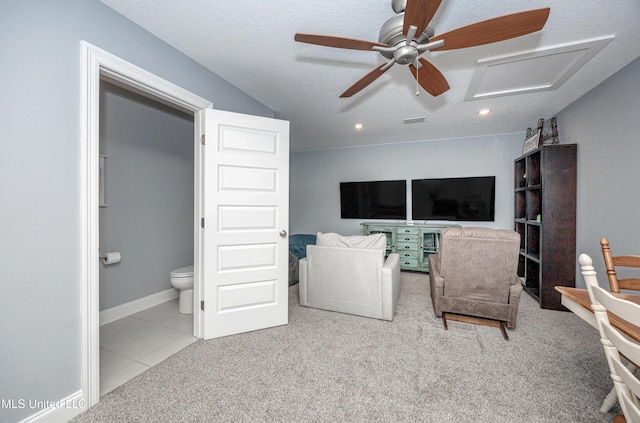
point(350, 274)
point(474, 275)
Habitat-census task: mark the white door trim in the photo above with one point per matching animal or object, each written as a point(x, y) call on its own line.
point(97, 63)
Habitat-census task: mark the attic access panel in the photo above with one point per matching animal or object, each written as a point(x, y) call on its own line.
point(538, 70)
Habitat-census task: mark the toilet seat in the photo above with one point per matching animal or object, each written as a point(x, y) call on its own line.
point(183, 272)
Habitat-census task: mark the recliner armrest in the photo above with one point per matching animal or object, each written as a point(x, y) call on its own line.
point(390, 285)
point(302, 281)
point(515, 289)
point(393, 260)
point(514, 301)
point(436, 283)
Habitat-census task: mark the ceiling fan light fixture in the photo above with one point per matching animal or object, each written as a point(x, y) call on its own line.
point(391, 34)
point(398, 6)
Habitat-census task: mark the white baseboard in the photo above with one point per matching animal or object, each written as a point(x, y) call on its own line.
point(59, 411)
point(123, 310)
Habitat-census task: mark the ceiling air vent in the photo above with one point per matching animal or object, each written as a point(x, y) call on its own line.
point(420, 119)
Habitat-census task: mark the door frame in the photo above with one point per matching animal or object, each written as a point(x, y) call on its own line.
point(98, 64)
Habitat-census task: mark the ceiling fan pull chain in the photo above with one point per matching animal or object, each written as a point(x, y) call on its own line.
point(417, 74)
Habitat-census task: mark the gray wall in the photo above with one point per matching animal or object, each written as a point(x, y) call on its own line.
point(316, 176)
point(602, 123)
point(40, 179)
point(149, 194)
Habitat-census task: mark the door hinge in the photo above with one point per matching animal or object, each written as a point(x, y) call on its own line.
point(202, 222)
point(202, 139)
point(202, 305)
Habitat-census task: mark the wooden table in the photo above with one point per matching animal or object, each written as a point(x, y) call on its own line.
point(578, 301)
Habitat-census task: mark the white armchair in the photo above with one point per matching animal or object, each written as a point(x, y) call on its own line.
point(349, 274)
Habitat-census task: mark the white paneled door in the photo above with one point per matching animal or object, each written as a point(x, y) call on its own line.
point(246, 223)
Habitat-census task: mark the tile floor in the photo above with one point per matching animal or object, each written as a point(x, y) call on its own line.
point(135, 343)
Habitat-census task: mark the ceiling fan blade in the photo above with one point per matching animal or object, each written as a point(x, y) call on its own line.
point(430, 78)
point(419, 13)
point(367, 79)
point(493, 30)
point(337, 42)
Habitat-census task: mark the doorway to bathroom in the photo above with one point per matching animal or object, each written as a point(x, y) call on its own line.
point(240, 189)
point(101, 65)
point(146, 216)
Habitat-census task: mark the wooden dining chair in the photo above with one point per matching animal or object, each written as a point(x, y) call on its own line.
point(615, 343)
point(611, 262)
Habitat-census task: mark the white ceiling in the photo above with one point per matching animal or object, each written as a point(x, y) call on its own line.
point(250, 44)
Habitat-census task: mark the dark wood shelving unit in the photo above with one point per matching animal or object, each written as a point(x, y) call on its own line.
point(545, 218)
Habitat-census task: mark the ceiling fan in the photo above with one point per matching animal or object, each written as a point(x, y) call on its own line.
point(406, 36)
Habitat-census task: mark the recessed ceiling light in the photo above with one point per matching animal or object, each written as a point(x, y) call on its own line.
point(483, 112)
point(358, 126)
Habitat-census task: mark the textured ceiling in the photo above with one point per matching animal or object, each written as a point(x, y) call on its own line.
point(250, 44)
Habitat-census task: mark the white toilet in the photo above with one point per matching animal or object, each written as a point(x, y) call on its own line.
point(182, 279)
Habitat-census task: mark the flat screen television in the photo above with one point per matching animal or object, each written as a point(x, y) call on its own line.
point(373, 200)
point(462, 199)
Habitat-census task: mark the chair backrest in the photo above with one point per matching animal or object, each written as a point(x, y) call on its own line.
point(479, 263)
point(614, 342)
point(629, 394)
point(612, 262)
point(346, 266)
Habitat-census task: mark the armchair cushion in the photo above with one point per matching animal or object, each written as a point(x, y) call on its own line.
point(366, 242)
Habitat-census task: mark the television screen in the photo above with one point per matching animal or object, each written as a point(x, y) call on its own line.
point(373, 200)
point(463, 199)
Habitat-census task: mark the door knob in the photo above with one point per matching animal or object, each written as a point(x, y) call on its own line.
point(283, 233)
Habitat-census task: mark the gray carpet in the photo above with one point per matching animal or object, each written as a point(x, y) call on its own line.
point(332, 367)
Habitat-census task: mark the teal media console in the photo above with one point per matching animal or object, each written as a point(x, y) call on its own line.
point(414, 242)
